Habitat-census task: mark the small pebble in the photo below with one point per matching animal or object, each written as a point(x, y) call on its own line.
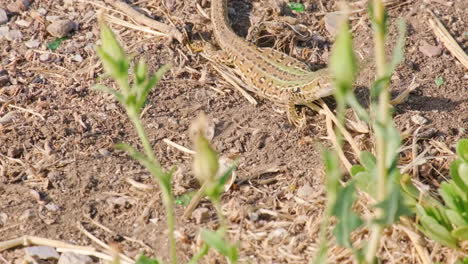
point(52, 207)
point(331, 22)
point(52, 18)
point(78, 58)
point(42, 252)
point(32, 44)
point(14, 35)
point(4, 78)
point(89, 35)
point(4, 30)
point(104, 152)
point(26, 215)
point(44, 57)
point(74, 258)
point(430, 50)
point(18, 6)
point(68, 2)
point(3, 16)
point(23, 23)
point(201, 215)
point(61, 28)
point(42, 11)
point(305, 192)
point(3, 219)
point(419, 120)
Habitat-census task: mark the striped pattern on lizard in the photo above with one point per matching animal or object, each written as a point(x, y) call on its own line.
point(269, 73)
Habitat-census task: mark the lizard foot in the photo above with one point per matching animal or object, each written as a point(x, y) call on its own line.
point(295, 119)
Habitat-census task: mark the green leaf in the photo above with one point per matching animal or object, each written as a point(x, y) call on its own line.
point(155, 170)
point(184, 199)
point(461, 233)
point(113, 56)
point(450, 195)
point(461, 180)
point(145, 260)
point(332, 170)
point(343, 62)
point(53, 45)
point(298, 7)
point(378, 86)
point(365, 182)
point(434, 230)
point(114, 67)
point(110, 44)
point(368, 160)
point(141, 72)
point(463, 171)
point(392, 141)
point(456, 219)
point(393, 207)
point(379, 26)
point(348, 221)
point(439, 81)
point(216, 241)
point(462, 149)
point(355, 169)
point(354, 103)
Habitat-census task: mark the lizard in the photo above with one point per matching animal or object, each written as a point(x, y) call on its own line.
point(271, 74)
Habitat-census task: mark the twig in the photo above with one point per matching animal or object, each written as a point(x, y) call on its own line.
point(140, 18)
point(33, 240)
point(449, 42)
point(338, 149)
point(27, 111)
point(101, 243)
point(232, 80)
point(179, 147)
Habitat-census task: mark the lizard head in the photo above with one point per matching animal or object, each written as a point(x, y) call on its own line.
point(319, 86)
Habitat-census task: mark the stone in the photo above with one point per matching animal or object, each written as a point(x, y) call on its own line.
point(61, 28)
point(74, 258)
point(44, 57)
point(4, 78)
point(18, 6)
point(3, 16)
point(32, 44)
point(42, 252)
point(78, 58)
point(305, 192)
point(419, 120)
point(4, 30)
point(23, 23)
point(14, 35)
point(430, 50)
point(201, 215)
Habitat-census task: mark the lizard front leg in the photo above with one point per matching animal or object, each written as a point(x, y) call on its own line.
point(293, 117)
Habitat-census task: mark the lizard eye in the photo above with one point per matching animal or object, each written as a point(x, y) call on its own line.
point(296, 90)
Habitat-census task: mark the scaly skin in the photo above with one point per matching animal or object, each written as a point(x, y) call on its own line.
point(271, 74)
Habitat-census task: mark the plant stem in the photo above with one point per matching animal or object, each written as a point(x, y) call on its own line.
point(159, 174)
point(219, 213)
point(381, 120)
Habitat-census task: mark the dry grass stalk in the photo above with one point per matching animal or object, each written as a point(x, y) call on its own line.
point(441, 32)
point(169, 31)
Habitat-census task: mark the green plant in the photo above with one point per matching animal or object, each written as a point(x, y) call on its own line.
point(448, 223)
point(378, 174)
point(133, 97)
